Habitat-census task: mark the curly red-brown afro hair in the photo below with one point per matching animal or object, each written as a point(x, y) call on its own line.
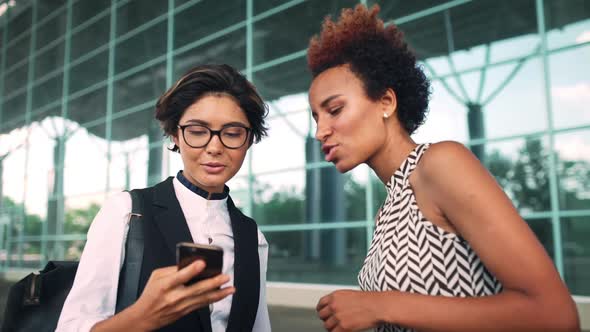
point(378, 56)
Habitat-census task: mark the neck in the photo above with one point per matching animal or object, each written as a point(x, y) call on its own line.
point(392, 154)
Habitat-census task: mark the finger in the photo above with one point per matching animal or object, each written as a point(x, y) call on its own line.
point(323, 302)
point(199, 301)
point(164, 271)
point(325, 312)
point(331, 323)
point(207, 285)
point(185, 274)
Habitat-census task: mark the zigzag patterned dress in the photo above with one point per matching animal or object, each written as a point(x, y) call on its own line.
point(408, 253)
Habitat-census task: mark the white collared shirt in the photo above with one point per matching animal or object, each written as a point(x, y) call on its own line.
point(94, 293)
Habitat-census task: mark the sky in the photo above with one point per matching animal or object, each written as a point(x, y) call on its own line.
point(518, 109)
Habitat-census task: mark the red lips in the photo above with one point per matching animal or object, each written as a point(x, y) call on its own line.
point(327, 147)
point(328, 150)
point(213, 167)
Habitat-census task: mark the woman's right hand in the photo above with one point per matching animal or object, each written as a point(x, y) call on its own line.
point(165, 298)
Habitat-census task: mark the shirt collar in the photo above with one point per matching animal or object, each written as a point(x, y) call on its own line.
point(201, 192)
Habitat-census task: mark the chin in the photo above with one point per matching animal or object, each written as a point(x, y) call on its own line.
point(343, 167)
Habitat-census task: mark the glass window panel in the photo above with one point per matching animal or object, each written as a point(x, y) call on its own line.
point(238, 186)
point(544, 232)
point(279, 198)
point(47, 92)
point(573, 152)
point(48, 7)
point(576, 254)
point(229, 49)
point(316, 256)
point(379, 194)
point(521, 167)
point(392, 9)
point(49, 61)
point(43, 112)
point(203, 19)
point(287, 78)
point(84, 148)
point(446, 119)
point(135, 13)
point(88, 107)
point(272, 39)
point(520, 107)
point(285, 131)
point(17, 52)
point(16, 79)
point(90, 38)
point(140, 48)
point(20, 23)
point(471, 25)
point(13, 149)
point(264, 5)
point(40, 167)
point(142, 121)
point(567, 22)
point(80, 210)
point(128, 164)
point(570, 87)
point(154, 164)
point(89, 72)
point(51, 30)
point(284, 198)
point(14, 109)
point(145, 86)
point(179, 3)
point(84, 10)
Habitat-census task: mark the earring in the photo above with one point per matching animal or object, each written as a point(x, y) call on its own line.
point(385, 115)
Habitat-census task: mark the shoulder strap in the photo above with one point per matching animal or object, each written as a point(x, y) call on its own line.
point(131, 269)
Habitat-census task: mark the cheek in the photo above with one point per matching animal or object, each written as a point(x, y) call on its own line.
point(237, 158)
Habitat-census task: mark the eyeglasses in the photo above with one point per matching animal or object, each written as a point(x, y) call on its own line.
point(198, 136)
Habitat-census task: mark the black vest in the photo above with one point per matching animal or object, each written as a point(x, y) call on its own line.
point(165, 226)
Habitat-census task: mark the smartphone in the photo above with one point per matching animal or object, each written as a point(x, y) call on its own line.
point(212, 255)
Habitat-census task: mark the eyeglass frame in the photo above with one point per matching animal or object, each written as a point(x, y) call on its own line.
point(214, 133)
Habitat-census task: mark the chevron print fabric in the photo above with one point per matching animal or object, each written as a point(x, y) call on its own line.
point(408, 253)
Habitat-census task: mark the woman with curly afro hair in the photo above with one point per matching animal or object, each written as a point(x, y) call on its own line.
point(449, 251)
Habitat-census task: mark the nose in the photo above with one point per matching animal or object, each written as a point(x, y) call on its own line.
point(214, 146)
point(323, 130)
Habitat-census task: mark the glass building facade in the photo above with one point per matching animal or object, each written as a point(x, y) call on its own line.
point(79, 80)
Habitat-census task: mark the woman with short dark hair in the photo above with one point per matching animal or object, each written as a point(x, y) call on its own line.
point(213, 114)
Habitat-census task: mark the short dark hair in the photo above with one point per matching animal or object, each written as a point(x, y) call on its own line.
point(207, 80)
point(378, 56)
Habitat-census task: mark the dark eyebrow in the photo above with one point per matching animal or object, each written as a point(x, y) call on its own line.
point(328, 100)
point(207, 124)
point(199, 122)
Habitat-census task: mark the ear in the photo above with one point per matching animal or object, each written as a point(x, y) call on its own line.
point(175, 139)
point(389, 102)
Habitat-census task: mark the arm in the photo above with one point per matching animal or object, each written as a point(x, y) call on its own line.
point(262, 322)
point(533, 299)
point(94, 293)
point(165, 299)
point(90, 305)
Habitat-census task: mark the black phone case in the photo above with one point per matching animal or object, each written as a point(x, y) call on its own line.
point(186, 253)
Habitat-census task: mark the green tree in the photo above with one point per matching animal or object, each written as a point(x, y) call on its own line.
point(526, 181)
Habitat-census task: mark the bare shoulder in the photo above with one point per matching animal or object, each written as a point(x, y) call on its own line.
point(447, 158)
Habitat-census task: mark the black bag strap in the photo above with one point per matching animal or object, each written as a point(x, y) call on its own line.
point(131, 269)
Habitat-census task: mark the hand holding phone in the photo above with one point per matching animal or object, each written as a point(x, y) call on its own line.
point(212, 255)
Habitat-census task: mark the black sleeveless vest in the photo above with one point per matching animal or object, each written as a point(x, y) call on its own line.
point(165, 225)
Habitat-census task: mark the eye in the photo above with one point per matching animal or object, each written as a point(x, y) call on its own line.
point(335, 110)
point(197, 131)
